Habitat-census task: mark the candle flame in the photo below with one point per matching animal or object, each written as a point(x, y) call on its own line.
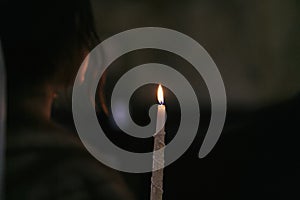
point(160, 95)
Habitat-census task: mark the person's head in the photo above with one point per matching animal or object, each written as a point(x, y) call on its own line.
point(44, 42)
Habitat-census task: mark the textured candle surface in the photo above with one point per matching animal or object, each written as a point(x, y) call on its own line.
point(158, 156)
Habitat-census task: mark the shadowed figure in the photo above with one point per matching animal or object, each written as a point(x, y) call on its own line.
point(44, 43)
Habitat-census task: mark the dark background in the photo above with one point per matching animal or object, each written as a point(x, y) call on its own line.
point(255, 45)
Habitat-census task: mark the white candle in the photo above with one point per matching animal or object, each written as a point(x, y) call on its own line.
point(159, 143)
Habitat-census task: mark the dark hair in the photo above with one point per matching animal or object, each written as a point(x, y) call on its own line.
point(44, 41)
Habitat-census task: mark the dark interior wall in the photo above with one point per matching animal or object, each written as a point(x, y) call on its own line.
point(254, 43)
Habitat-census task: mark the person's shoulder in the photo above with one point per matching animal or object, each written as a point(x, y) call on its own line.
point(54, 163)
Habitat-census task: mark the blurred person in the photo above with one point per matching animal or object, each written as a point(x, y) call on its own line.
point(44, 43)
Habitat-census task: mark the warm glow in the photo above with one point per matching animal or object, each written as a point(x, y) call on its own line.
point(160, 95)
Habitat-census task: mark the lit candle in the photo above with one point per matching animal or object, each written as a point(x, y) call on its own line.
point(159, 142)
point(161, 110)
